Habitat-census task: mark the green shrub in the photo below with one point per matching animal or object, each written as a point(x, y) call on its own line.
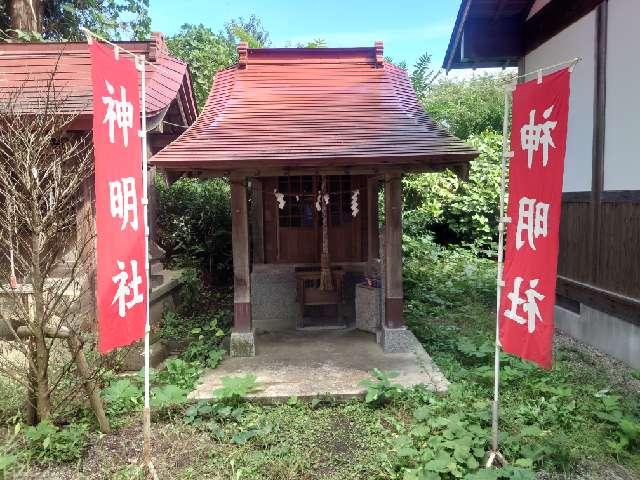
point(201, 317)
point(194, 225)
point(466, 107)
point(9, 455)
point(235, 389)
point(456, 211)
point(380, 390)
point(49, 443)
point(438, 279)
point(7, 464)
point(205, 341)
point(11, 401)
point(169, 395)
point(182, 374)
point(123, 395)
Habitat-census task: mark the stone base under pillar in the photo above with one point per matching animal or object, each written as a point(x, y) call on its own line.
point(397, 340)
point(242, 344)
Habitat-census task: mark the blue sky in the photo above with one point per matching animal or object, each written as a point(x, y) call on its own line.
point(408, 28)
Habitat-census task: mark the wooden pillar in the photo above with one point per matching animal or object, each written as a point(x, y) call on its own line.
point(257, 221)
point(86, 256)
point(393, 250)
point(240, 247)
point(373, 234)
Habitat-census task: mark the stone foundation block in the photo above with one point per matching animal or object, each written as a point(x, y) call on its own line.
point(397, 340)
point(368, 316)
point(242, 344)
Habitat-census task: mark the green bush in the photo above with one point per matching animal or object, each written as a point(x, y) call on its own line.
point(194, 225)
point(180, 373)
point(122, 395)
point(205, 347)
point(381, 390)
point(466, 107)
point(440, 279)
point(202, 317)
point(49, 443)
point(457, 211)
point(234, 389)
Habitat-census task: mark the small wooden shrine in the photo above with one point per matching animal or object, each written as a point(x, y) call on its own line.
point(308, 137)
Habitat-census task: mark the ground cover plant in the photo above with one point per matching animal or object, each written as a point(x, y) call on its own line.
point(200, 320)
point(579, 420)
point(550, 420)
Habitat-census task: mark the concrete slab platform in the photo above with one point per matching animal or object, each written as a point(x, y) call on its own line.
point(310, 364)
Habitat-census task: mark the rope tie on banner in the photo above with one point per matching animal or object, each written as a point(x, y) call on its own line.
point(510, 83)
point(91, 35)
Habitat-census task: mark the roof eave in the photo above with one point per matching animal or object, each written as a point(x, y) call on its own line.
point(456, 34)
point(409, 162)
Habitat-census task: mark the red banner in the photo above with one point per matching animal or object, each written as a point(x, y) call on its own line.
point(538, 141)
point(121, 274)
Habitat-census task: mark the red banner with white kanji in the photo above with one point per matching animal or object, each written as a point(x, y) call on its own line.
point(121, 275)
point(538, 142)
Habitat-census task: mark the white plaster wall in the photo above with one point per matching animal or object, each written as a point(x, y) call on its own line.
point(578, 40)
point(616, 337)
point(621, 160)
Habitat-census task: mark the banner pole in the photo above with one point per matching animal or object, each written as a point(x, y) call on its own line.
point(146, 428)
point(495, 457)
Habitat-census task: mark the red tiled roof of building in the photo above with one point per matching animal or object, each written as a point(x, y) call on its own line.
point(303, 107)
point(28, 66)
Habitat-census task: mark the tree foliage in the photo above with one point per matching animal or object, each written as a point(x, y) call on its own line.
point(466, 107)
point(423, 76)
point(207, 51)
point(194, 225)
point(457, 211)
point(248, 30)
point(113, 19)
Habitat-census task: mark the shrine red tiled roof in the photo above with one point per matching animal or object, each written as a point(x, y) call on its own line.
point(303, 107)
point(27, 67)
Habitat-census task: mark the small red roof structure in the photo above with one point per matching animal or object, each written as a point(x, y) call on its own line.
point(25, 66)
point(313, 107)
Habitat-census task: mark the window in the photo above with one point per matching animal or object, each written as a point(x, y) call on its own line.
point(299, 196)
point(340, 192)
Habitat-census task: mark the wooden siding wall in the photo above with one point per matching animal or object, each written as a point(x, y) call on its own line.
point(617, 267)
point(603, 270)
point(609, 260)
point(574, 259)
point(599, 260)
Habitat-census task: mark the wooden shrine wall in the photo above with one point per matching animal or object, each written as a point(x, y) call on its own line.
point(293, 234)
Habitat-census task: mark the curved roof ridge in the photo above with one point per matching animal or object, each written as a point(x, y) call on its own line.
point(212, 107)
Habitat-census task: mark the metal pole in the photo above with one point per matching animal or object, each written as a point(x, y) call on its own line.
point(146, 447)
point(495, 455)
